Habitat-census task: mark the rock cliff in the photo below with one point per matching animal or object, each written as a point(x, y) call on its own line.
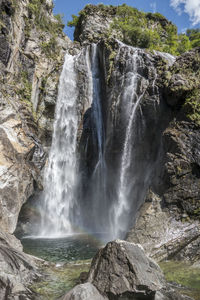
point(149, 115)
point(165, 159)
point(31, 55)
point(32, 48)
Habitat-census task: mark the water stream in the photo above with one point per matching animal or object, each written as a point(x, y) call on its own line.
point(60, 173)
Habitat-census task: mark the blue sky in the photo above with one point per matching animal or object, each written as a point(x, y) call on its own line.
point(184, 13)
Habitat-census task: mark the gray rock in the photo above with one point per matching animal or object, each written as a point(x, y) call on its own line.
point(122, 269)
point(18, 270)
point(161, 235)
point(85, 291)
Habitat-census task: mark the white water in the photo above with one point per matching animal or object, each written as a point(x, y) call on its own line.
point(98, 179)
point(96, 105)
point(133, 94)
point(167, 56)
point(60, 173)
point(107, 214)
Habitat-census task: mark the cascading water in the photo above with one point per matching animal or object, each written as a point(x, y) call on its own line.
point(116, 152)
point(99, 173)
point(133, 92)
point(60, 173)
point(93, 198)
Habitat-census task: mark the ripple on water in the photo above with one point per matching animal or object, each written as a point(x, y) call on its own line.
point(65, 249)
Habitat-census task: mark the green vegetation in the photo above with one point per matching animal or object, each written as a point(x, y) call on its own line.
point(38, 15)
point(49, 48)
point(25, 91)
point(144, 30)
point(192, 106)
point(194, 37)
point(59, 280)
point(74, 21)
point(183, 274)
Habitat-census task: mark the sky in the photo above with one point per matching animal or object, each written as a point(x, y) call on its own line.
point(183, 13)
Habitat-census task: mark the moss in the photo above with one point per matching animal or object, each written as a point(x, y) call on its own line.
point(58, 280)
point(38, 16)
point(26, 87)
point(50, 48)
point(136, 28)
point(191, 106)
point(183, 274)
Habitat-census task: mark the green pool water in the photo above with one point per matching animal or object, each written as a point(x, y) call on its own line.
point(68, 257)
point(67, 249)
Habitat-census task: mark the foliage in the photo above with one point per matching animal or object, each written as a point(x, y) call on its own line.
point(183, 274)
point(37, 13)
point(25, 91)
point(184, 44)
point(74, 21)
point(144, 30)
point(49, 48)
point(194, 37)
point(58, 281)
point(192, 106)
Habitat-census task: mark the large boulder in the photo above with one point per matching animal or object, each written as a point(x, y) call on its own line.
point(17, 270)
point(121, 270)
point(84, 292)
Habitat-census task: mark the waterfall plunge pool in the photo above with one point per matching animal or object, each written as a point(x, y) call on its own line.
point(64, 249)
point(68, 257)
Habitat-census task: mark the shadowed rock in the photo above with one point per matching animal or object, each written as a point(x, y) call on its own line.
point(121, 270)
point(17, 270)
point(84, 292)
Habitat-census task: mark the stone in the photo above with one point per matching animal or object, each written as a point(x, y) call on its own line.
point(122, 269)
point(85, 291)
point(18, 270)
point(161, 235)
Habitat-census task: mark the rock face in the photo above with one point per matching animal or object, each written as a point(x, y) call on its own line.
point(29, 74)
point(162, 236)
point(17, 270)
point(16, 180)
point(121, 270)
point(168, 223)
point(29, 71)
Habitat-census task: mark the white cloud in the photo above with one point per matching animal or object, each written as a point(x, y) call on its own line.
point(190, 7)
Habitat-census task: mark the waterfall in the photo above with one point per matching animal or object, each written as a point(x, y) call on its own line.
point(102, 189)
point(60, 173)
point(134, 87)
point(95, 194)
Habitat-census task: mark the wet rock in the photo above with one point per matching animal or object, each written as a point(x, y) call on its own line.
point(161, 235)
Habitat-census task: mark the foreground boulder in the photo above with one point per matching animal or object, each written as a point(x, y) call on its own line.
point(121, 270)
point(84, 291)
point(17, 270)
